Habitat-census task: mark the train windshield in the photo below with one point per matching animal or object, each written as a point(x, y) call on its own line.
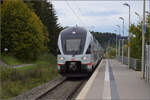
point(73, 40)
point(73, 45)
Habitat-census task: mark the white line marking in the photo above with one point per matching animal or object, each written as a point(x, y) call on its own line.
point(106, 91)
point(84, 91)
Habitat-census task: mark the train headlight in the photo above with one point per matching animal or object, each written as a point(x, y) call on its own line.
point(61, 58)
point(84, 58)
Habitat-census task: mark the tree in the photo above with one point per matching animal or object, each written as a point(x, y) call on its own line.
point(136, 39)
point(45, 11)
point(22, 32)
point(105, 39)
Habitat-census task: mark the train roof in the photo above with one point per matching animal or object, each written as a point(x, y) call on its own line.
point(74, 30)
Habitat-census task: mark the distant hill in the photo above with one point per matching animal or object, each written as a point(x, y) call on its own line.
point(107, 39)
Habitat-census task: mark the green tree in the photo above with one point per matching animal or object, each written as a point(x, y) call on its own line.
point(106, 39)
point(45, 11)
point(22, 32)
point(136, 39)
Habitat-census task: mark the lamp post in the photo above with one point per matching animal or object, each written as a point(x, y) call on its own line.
point(122, 39)
point(148, 12)
point(116, 42)
point(129, 35)
point(119, 39)
point(138, 16)
point(143, 39)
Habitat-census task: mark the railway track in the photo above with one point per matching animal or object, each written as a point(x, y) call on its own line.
point(65, 90)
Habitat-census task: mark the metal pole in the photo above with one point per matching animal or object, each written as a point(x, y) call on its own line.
point(143, 39)
point(126, 4)
point(122, 50)
point(122, 39)
point(119, 48)
point(123, 43)
point(116, 45)
point(116, 41)
point(119, 40)
point(129, 36)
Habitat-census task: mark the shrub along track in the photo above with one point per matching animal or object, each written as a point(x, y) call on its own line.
point(64, 91)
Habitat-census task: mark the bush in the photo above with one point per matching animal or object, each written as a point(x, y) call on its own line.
point(111, 53)
point(23, 33)
point(19, 80)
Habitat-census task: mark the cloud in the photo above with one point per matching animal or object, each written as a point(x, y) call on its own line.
point(102, 15)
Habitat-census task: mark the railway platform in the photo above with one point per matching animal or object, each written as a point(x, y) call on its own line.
point(114, 80)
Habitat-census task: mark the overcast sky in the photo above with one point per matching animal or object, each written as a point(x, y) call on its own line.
point(101, 16)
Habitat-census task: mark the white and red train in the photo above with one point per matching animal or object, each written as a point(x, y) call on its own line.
point(79, 52)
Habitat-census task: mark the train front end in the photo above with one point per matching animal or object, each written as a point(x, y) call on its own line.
point(72, 59)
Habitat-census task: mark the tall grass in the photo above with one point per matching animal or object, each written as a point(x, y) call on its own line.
point(17, 81)
point(11, 60)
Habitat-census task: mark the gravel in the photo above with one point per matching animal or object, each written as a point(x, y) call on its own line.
point(40, 90)
point(62, 91)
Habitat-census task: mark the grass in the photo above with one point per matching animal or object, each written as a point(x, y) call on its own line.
point(19, 80)
point(46, 59)
point(27, 67)
point(10, 60)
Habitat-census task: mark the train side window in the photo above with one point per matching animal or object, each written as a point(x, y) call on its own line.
point(88, 50)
